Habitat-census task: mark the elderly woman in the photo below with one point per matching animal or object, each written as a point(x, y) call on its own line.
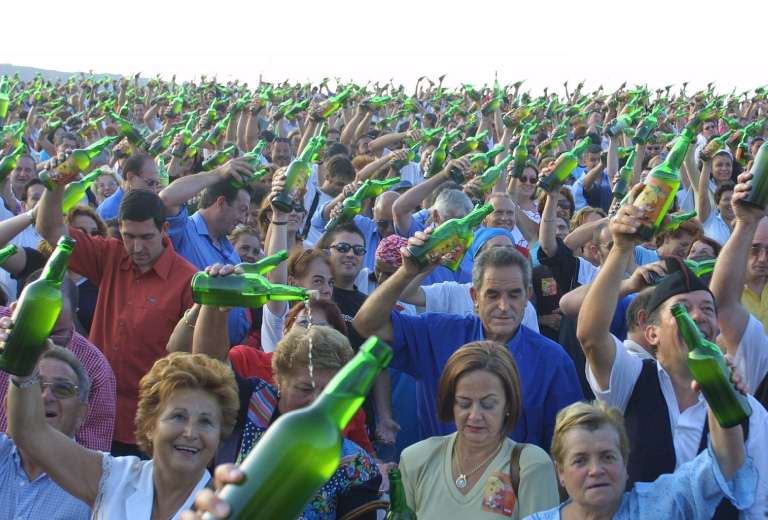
point(478, 471)
point(187, 404)
point(357, 479)
point(590, 448)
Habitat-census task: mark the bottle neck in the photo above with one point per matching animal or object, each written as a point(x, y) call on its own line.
point(689, 331)
point(677, 154)
point(397, 494)
point(56, 268)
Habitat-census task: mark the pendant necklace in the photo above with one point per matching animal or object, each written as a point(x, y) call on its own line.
point(462, 480)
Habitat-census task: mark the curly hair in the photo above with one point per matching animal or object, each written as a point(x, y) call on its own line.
point(178, 371)
point(87, 211)
point(330, 351)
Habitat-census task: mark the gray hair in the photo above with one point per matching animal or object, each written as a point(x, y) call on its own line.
point(66, 356)
point(452, 204)
point(500, 257)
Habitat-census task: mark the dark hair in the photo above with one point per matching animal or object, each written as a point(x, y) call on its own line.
point(639, 303)
point(222, 188)
point(595, 148)
point(481, 355)
point(431, 117)
point(339, 165)
point(140, 205)
point(337, 149)
point(348, 227)
point(711, 242)
point(726, 186)
point(32, 182)
point(134, 164)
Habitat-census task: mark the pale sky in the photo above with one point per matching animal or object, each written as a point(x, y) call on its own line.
point(543, 41)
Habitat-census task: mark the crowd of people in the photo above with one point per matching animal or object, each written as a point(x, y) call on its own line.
point(541, 376)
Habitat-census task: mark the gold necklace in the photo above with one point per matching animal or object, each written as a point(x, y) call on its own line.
point(462, 480)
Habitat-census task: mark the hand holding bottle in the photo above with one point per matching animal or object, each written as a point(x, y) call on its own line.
point(747, 213)
point(627, 221)
point(235, 168)
point(206, 500)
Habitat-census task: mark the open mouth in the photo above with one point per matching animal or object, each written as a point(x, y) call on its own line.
point(186, 450)
point(50, 415)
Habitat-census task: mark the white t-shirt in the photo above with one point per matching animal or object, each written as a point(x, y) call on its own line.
point(271, 328)
point(687, 426)
point(716, 228)
point(126, 489)
point(752, 356)
point(454, 298)
point(587, 271)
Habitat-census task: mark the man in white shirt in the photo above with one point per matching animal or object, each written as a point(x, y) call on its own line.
point(665, 418)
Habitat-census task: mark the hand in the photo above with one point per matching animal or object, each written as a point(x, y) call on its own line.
point(462, 163)
point(644, 275)
point(222, 269)
point(625, 224)
point(398, 155)
point(207, 502)
point(386, 430)
point(745, 212)
point(235, 168)
point(411, 266)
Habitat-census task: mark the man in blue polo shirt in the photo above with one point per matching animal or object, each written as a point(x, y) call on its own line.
point(202, 237)
point(139, 172)
point(501, 286)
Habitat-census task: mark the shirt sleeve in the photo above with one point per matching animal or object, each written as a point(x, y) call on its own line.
point(271, 328)
point(88, 255)
point(624, 373)
point(411, 345)
point(694, 490)
point(530, 319)
point(447, 297)
point(538, 485)
point(177, 226)
point(752, 356)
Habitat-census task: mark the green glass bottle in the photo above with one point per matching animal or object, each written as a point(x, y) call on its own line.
point(292, 113)
point(78, 161)
point(622, 122)
point(647, 126)
point(564, 166)
point(36, 313)
point(75, 191)
point(162, 143)
point(428, 135)
point(212, 137)
point(661, 186)
point(376, 102)
point(675, 220)
point(186, 136)
point(8, 162)
point(353, 205)
point(758, 193)
point(693, 125)
point(254, 156)
point(520, 154)
point(177, 102)
point(265, 265)
point(478, 162)
point(7, 252)
point(488, 179)
point(219, 157)
point(302, 449)
point(470, 144)
point(297, 175)
point(626, 174)
point(451, 239)
point(411, 156)
point(5, 99)
point(701, 268)
point(438, 157)
point(242, 290)
point(281, 109)
point(708, 368)
point(398, 505)
point(128, 131)
point(715, 145)
point(333, 104)
point(490, 106)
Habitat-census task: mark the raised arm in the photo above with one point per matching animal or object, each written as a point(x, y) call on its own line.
point(349, 133)
point(730, 269)
point(210, 336)
point(583, 234)
point(181, 190)
point(50, 219)
point(53, 451)
point(276, 241)
point(9, 228)
point(703, 206)
point(548, 226)
point(593, 328)
point(387, 141)
point(181, 336)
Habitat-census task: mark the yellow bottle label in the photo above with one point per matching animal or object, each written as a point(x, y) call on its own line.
point(654, 196)
point(449, 251)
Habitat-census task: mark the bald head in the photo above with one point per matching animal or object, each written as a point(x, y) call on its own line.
point(382, 213)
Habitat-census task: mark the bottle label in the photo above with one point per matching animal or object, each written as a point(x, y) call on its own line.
point(654, 196)
point(448, 251)
point(64, 173)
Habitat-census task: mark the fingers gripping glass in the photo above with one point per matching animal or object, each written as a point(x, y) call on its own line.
point(343, 248)
point(60, 389)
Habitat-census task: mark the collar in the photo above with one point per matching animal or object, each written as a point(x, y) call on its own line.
point(201, 228)
point(161, 267)
point(514, 339)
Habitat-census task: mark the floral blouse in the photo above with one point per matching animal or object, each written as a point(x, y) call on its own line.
point(357, 472)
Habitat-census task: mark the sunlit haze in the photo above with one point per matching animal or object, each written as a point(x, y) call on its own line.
point(544, 42)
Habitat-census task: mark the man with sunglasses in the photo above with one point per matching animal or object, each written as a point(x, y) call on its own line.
point(346, 248)
point(25, 490)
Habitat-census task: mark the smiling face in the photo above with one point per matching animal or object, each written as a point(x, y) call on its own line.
point(593, 470)
point(346, 265)
point(248, 247)
point(479, 408)
point(318, 277)
point(503, 215)
point(722, 168)
point(187, 432)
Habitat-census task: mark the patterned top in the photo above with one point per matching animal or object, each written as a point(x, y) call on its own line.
point(99, 424)
point(357, 467)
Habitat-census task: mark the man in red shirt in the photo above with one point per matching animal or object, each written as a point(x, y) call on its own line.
point(144, 289)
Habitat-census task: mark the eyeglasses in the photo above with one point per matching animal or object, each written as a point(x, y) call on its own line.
point(60, 389)
point(343, 248)
point(564, 204)
point(529, 180)
point(298, 208)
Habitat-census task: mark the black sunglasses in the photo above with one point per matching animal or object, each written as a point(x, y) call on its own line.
point(343, 247)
